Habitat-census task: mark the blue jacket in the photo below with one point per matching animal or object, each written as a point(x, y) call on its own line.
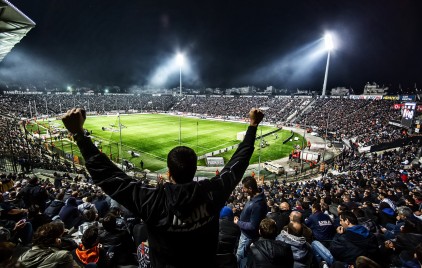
point(255, 210)
point(321, 226)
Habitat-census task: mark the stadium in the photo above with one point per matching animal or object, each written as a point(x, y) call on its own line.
point(328, 178)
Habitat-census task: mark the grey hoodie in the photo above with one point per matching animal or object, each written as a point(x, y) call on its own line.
point(302, 252)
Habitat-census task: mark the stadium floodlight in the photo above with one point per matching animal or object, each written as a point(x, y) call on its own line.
point(329, 46)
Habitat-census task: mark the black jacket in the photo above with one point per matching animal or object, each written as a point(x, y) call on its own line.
point(354, 242)
point(182, 219)
point(34, 194)
point(54, 208)
point(228, 236)
point(266, 253)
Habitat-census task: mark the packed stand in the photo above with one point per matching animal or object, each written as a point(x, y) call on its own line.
point(364, 121)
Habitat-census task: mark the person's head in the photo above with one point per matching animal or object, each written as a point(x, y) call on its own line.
point(346, 198)
point(33, 180)
point(90, 237)
point(294, 228)
point(71, 202)
point(109, 222)
point(87, 199)
point(341, 208)
point(316, 207)
point(359, 213)
point(181, 162)
point(348, 219)
point(49, 234)
point(60, 196)
point(295, 216)
point(284, 206)
point(404, 212)
point(226, 213)
point(90, 215)
point(268, 228)
point(250, 186)
point(418, 253)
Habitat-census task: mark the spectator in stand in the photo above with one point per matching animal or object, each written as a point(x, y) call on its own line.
point(386, 210)
point(118, 243)
point(267, 251)
point(36, 218)
point(182, 215)
point(57, 180)
point(255, 210)
point(17, 232)
point(90, 251)
point(33, 193)
point(305, 231)
point(45, 251)
point(302, 252)
point(69, 213)
point(87, 205)
point(55, 206)
point(321, 225)
point(351, 241)
point(101, 204)
point(229, 232)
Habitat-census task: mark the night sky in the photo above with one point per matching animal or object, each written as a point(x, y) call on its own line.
point(226, 43)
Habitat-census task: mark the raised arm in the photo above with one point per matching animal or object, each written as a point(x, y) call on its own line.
point(112, 180)
point(233, 171)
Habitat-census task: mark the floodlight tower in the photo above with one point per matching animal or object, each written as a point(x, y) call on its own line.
point(180, 59)
point(329, 45)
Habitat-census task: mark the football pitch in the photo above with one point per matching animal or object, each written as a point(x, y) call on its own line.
point(152, 136)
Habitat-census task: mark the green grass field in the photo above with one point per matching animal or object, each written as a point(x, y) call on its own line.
point(154, 135)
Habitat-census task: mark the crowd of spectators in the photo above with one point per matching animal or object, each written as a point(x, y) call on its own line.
point(367, 211)
point(364, 211)
point(365, 121)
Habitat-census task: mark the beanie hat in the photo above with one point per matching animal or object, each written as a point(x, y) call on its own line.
point(227, 213)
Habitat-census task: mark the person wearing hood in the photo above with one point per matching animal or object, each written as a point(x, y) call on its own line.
point(302, 252)
point(182, 215)
point(69, 212)
point(351, 241)
point(267, 251)
point(54, 208)
point(229, 232)
point(90, 251)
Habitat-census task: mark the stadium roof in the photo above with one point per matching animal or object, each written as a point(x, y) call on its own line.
point(14, 25)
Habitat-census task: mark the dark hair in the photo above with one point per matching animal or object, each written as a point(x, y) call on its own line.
point(33, 180)
point(90, 214)
point(109, 222)
point(181, 162)
point(343, 207)
point(268, 228)
point(316, 206)
point(46, 234)
point(359, 212)
point(90, 237)
point(60, 196)
point(250, 182)
point(347, 215)
point(418, 251)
